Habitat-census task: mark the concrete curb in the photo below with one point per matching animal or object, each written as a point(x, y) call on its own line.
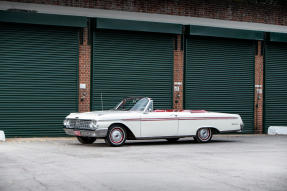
point(39, 139)
point(2, 136)
point(277, 130)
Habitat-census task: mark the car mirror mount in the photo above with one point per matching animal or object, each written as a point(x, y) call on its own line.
point(147, 111)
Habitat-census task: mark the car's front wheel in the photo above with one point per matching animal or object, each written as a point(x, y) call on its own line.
point(86, 140)
point(116, 136)
point(203, 135)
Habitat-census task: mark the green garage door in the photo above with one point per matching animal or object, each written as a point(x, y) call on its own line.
point(38, 79)
point(132, 64)
point(220, 76)
point(275, 85)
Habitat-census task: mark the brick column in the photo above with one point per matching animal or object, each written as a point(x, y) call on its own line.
point(84, 73)
point(258, 102)
point(178, 71)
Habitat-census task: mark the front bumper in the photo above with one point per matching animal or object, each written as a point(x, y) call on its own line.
point(100, 133)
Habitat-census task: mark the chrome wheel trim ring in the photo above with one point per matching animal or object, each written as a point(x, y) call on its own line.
point(117, 136)
point(204, 134)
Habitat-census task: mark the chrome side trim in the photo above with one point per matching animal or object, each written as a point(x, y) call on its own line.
point(163, 137)
point(232, 131)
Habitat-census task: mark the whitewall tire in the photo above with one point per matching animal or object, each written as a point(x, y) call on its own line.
point(116, 136)
point(203, 135)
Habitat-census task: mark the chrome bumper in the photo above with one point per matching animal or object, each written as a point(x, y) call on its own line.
point(241, 127)
point(87, 133)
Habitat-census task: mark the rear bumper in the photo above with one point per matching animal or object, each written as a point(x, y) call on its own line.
point(241, 127)
point(100, 133)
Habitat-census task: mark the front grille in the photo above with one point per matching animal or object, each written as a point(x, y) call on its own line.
point(79, 124)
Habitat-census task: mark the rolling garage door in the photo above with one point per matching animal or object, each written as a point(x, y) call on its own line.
point(132, 64)
point(38, 79)
point(275, 85)
point(220, 76)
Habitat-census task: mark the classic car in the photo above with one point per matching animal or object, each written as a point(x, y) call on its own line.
point(135, 118)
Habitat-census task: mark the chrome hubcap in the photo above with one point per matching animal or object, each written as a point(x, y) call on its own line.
point(116, 136)
point(204, 133)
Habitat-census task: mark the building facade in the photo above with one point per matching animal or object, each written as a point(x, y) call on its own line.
point(66, 56)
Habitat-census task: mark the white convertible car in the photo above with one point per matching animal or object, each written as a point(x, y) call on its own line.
point(135, 118)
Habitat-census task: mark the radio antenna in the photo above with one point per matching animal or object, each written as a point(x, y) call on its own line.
point(102, 101)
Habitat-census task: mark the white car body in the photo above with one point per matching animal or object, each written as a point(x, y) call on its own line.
point(151, 124)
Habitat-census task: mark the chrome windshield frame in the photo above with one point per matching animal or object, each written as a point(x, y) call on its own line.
point(150, 101)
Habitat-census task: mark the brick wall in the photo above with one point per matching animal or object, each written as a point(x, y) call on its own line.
point(84, 73)
point(178, 70)
point(235, 10)
point(258, 99)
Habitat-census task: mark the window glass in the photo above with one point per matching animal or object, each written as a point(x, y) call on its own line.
point(140, 105)
point(132, 104)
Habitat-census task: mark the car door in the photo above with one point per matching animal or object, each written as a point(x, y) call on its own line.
point(187, 126)
point(159, 124)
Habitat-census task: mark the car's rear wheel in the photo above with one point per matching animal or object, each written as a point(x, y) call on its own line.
point(86, 140)
point(116, 136)
point(203, 135)
point(172, 140)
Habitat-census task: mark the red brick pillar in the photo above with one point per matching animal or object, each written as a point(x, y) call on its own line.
point(84, 73)
point(258, 102)
point(178, 70)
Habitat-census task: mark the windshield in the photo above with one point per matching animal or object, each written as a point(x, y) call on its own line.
point(132, 104)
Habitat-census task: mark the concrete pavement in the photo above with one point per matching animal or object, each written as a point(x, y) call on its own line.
point(240, 162)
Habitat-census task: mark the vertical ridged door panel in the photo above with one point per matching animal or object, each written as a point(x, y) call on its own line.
point(219, 77)
point(38, 79)
point(275, 97)
point(131, 64)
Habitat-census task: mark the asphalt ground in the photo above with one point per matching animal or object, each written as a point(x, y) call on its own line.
point(229, 162)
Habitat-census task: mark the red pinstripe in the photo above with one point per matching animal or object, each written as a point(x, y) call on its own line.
point(179, 118)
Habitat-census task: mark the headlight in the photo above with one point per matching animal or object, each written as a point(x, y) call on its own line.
point(93, 124)
point(66, 123)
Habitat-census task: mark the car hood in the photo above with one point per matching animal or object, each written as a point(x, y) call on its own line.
point(95, 115)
